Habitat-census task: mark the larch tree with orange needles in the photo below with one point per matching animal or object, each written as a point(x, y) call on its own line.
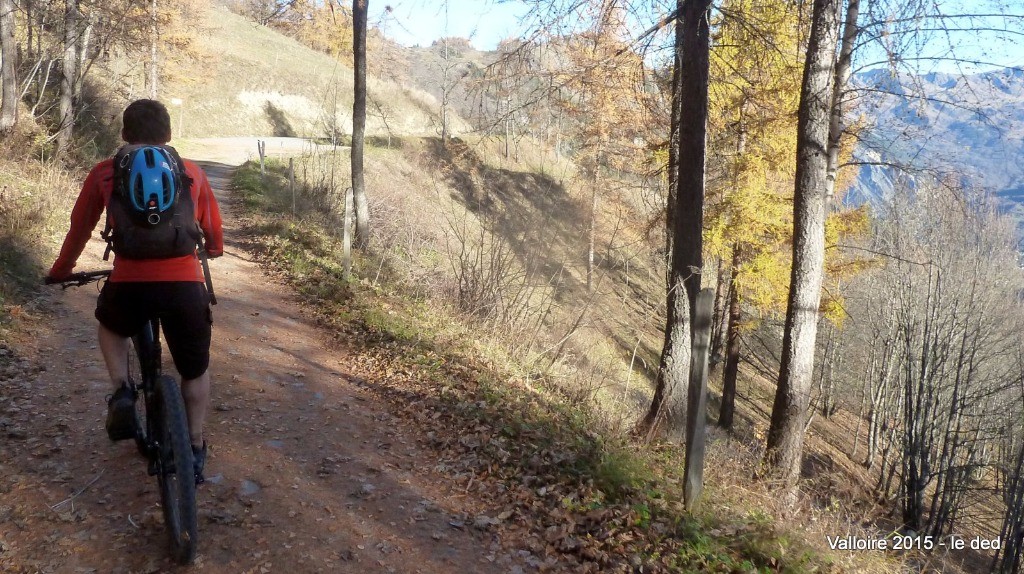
point(754, 95)
point(602, 81)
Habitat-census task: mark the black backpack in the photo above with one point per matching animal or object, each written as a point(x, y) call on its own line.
point(151, 214)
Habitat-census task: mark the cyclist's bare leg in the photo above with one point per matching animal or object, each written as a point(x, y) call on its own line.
point(196, 393)
point(115, 352)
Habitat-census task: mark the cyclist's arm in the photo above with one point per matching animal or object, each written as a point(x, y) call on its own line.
point(86, 213)
point(208, 214)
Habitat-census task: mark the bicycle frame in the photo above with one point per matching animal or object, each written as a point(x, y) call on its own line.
point(148, 351)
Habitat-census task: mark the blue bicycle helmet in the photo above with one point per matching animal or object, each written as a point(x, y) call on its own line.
point(151, 182)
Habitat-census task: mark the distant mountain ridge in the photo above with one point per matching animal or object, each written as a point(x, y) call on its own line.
point(967, 127)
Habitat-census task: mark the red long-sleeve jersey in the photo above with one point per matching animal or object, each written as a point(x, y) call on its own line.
point(93, 200)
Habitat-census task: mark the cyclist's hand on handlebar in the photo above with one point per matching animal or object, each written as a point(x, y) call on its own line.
point(77, 279)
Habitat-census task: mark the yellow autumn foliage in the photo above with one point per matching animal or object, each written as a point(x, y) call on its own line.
point(756, 71)
point(757, 67)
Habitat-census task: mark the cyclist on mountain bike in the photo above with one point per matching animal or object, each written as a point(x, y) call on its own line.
point(167, 285)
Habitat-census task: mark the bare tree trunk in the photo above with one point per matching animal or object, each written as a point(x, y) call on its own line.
point(83, 50)
point(41, 17)
point(667, 414)
point(42, 87)
point(826, 400)
point(359, 8)
point(445, 88)
point(786, 433)
point(732, 348)
point(921, 341)
point(880, 393)
point(8, 68)
point(154, 40)
point(686, 213)
point(29, 29)
point(718, 321)
point(877, 413)
point(843, 66)
point(732, 351)
point(69, 76)
point(1008, 559)
point(592, 232)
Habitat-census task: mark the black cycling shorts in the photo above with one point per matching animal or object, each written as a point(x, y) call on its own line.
point(183, 308)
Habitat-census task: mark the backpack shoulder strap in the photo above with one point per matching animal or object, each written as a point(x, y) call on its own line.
point(179, 169)
point(119, 164)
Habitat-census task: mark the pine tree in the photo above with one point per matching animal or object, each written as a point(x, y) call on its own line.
point(685, 217)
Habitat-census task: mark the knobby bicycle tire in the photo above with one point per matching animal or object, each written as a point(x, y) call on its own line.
point(136, 351)
point(177, 481)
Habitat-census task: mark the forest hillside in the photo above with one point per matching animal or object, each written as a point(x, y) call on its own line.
point(517, 335)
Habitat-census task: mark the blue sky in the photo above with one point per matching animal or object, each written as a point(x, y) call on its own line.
point(412, 22)
point(486, 22)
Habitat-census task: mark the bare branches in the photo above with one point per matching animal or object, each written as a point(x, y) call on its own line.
point(266, 12)
point(664, 21)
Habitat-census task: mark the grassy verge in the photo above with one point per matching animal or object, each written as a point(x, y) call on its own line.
point(552, 485)
point(35, 201)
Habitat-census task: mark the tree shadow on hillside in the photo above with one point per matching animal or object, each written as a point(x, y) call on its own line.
point(531, 211)
point(282, 127)
point(547, 228)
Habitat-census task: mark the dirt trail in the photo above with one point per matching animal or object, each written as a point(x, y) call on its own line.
point(307, 471)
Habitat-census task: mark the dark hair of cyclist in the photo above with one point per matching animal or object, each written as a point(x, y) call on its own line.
point(146, 122)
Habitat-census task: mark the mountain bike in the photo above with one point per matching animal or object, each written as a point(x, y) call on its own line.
point(161, 430)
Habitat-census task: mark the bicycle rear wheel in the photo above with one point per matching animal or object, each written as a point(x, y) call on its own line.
point(177, 481)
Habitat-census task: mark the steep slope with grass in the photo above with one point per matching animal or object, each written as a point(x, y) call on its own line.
point(511, 411)
point(253, 81)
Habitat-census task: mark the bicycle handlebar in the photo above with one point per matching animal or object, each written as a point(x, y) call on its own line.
point(77, 279)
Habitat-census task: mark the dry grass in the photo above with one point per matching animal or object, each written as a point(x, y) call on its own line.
point(738, 499)
point(35, 200)
point(431, 206)
point(258, 82)
point(253, 81)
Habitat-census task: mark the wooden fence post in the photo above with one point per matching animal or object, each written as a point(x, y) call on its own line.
point(291, 181)
point(261, 146)
point(696, 407)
